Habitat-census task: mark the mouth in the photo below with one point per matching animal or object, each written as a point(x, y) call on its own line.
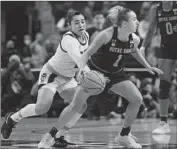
point(81, 30)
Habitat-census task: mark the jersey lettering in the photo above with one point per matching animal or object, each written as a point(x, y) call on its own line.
point(109, 57)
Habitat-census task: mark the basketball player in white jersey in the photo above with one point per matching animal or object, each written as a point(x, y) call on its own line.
point(57, 75)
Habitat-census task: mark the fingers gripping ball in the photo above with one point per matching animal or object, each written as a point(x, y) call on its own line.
point(93, 82)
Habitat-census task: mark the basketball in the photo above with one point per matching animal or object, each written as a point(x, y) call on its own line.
point(93, 82)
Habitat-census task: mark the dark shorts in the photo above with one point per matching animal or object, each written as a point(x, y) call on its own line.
point(114, 78)
point(168, 52)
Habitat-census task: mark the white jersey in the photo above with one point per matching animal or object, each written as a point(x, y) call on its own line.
point(64, 62)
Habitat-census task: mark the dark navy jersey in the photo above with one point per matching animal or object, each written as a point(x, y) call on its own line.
point(167, 23)
point(109, 57)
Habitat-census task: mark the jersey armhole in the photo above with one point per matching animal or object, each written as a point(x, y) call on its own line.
point(62, 48)
point(135, 41)
point(115, 32)
point(114, 35)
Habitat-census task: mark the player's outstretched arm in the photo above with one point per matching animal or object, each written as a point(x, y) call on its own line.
point(137, 54)
point(98, 41)
point(152, 27)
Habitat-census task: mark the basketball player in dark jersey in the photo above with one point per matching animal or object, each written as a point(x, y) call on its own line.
point(111, 45)
point(163, 16)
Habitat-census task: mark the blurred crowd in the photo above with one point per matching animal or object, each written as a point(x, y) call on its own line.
point(19, 83)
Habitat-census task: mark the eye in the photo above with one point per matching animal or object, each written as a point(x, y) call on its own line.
point(83, 22)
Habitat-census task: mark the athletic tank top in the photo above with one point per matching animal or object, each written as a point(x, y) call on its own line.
point(61, 62)
point(167, 23)
point(109, 58)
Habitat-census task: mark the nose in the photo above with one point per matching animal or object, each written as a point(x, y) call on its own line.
point(137, 22)
point(80, 25)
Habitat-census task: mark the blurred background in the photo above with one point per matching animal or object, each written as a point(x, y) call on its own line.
point(30, 34)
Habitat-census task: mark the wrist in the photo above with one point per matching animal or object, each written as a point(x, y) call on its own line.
point(142, 49)
point(148, 67)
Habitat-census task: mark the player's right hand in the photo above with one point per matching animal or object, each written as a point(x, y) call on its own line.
point(154, 70)
point(78, 75)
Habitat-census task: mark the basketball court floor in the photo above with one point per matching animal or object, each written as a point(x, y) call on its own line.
point(91, 134)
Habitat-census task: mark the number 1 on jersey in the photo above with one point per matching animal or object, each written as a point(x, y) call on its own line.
point(117, 61)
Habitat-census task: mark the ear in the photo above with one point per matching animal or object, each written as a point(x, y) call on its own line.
point(68, 24)
point(124, 23)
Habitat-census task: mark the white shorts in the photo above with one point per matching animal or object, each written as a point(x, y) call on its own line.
point(55, 82)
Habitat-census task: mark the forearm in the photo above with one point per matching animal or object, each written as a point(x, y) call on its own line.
point(148, 38)
point(78, 59)
point(85, 58)
point(140, 58)
point(98, 41)
point(152, 26)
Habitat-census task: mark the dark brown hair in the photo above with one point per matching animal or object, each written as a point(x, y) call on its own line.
point(71, 14)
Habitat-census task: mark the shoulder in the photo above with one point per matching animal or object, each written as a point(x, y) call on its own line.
point(109, 31)
point(136, 39)
point(106, 34)
point(69, 41)
point(69, 37)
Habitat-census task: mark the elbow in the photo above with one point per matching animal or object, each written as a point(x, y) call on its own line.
point(134, 54)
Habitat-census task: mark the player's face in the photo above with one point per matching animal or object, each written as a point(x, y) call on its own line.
point(78, 25)
point(132, 23)
point(99, 21)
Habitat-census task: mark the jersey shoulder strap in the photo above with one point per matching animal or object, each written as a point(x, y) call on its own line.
point(130, 37)
point(114, 36)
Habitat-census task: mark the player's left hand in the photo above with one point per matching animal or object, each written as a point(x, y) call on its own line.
point(154, 70)
point(79, 74)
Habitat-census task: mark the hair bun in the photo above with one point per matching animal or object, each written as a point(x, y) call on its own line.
point(113, 13)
